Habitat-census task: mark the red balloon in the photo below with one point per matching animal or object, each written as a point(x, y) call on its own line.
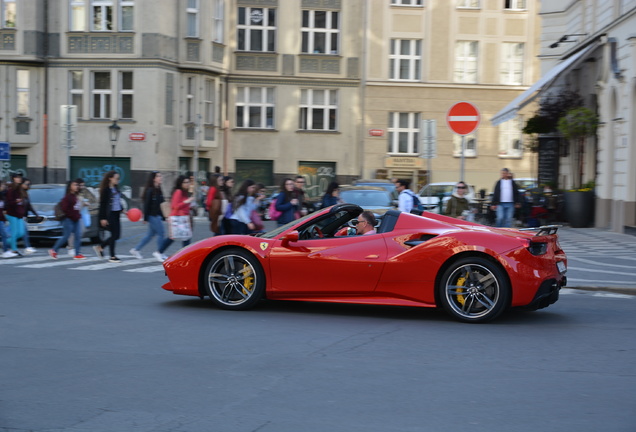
point(134, 214)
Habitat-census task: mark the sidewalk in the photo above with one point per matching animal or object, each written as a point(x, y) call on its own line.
point(599, 260)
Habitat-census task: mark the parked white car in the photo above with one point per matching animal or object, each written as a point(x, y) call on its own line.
point(430, 194)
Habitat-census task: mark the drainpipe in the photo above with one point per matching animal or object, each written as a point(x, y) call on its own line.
point(363, 85)
point(45, 115)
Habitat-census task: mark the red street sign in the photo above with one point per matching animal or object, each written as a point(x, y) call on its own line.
point(463, 118)
point(376, 132)
point(137, 136)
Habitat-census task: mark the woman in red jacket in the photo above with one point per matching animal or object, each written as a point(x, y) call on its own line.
point(180, 206)
point(71, 206)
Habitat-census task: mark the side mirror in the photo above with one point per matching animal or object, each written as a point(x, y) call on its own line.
point(291, 236)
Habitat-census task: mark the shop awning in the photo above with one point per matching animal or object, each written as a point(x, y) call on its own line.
point(510, 111)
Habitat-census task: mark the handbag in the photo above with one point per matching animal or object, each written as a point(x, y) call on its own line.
point(179, 228)
point(166, 208)
point(273, 213)
point(256, 220)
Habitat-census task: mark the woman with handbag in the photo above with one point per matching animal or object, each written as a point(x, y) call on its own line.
point(71, 224)
point(110, 209)
point(286, 203)
point(152, 199)
point(179, 219)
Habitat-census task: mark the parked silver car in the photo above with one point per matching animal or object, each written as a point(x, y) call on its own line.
point(44, 197)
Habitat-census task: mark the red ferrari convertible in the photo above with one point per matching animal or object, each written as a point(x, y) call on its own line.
point(474, 272)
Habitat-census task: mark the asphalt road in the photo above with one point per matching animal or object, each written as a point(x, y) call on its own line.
point(106, 349)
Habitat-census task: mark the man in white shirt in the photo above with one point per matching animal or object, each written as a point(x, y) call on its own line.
point(505, 199)
point(405, 197)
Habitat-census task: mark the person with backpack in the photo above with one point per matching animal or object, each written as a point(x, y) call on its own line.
point(407, 199)
point(71, 206)
point(286, 204)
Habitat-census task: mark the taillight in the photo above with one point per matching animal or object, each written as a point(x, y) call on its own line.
point(535, 248)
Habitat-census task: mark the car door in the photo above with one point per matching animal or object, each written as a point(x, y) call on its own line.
point(338, 265)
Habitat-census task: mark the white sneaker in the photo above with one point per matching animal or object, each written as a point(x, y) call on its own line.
point(71, 252)
point(158, 256)
point(134, 252)
point(9, 254)
point(29, 250)
point(164, 257)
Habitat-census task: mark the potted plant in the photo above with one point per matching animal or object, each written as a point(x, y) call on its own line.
point(577, 125)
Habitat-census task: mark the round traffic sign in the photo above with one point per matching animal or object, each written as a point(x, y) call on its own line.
point(463, 118)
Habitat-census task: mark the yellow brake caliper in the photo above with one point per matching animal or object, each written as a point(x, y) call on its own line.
point(248, 280)
point(461, 282)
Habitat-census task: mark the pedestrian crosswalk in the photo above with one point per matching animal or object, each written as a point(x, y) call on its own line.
point(128, 263)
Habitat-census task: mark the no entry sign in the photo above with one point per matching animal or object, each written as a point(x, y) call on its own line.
point(463, 118)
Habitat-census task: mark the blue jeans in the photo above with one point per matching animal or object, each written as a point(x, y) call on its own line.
point(155, 228)
point(504, 214)
point(25, 238)
point(4, 236)
point(16, 226)
point(70, 227)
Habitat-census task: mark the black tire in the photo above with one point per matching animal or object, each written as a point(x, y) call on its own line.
point(474, 290)
point(234, 279)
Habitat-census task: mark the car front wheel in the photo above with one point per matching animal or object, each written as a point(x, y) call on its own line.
point(474, 289)
point(234, 280)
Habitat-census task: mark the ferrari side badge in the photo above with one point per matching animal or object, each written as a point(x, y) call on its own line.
point(263, 246)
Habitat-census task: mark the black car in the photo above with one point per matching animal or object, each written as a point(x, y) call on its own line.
point(43, 198)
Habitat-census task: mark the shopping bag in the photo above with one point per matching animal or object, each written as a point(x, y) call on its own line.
point(179, 228)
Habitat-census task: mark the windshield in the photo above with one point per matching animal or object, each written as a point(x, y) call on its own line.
point(46, 195)
point(435, 190)
point(273, 233)
point(366, 198)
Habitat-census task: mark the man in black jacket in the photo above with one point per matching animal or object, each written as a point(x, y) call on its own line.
point(505, 199)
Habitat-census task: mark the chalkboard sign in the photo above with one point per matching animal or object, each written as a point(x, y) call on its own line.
point(549, 161)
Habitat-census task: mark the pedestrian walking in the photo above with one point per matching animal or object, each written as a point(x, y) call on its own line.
point(406, 197)
point(505, 199)
point(226, 207)
point(152, 199)
point(180, 206)
point(240, 222)
point(458, 205)
point(110, 209)
point(89, 203)
point(71, 206)
point(4, 234)
point(214, 202)
point(332, 195)
point(286, 203)
point(15, 210)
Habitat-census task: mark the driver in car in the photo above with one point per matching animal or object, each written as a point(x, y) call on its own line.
point(365, 224)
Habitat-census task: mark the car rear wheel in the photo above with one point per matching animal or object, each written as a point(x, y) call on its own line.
point(474, 289)
point(234, 280)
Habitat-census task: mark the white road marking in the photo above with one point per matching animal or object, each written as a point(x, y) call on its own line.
point(109, 265)
point(58, 262)
point(568, 291)
point(601, 271)
point(17, 261)
point(631, 267)
point(150, 269)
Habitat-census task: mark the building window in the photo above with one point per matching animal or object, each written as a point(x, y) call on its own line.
point(8, 13)
point(219, 21)
point(255, 107)
point(318, 109)
point(126, 95)
point(511, 138)
point(23, 93)
point(512, 63)
point(76, 84)
point(169, 113)
point(320, 32)
point(126, 15)
point(256, 29)
point(468, 4)
point(405, 60)
point(404, 132)
point(78, 15)
point(190, 107)
point(102, 15)
point(193, 18)
point(515, 4)
point(466, 62)
point(470, 145)
point(208, 102)
point(101, 95)
point(406, 2)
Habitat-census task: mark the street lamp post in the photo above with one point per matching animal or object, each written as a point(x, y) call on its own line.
point(113, 132)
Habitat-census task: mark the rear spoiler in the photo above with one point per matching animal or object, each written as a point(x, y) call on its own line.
point(543, 230)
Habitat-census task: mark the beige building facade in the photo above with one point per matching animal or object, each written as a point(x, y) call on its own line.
point(265, 89)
